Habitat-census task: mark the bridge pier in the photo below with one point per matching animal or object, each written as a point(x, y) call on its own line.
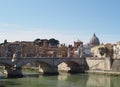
point(13, 72)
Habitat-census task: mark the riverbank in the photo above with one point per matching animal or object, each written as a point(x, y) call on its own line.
point(104, 72)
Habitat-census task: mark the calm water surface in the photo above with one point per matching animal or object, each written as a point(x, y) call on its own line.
point(63, 80)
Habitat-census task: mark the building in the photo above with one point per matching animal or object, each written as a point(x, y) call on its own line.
point(102, 50)
point(87, 51)
point(25, 48)
point(77, 44)
point(116, 51)
point(94, 41)
point(96, 52)
point(86, 48)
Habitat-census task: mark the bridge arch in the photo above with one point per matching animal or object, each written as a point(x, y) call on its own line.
point(69, 62)
point(70, 66)
point(34, 61)
point(5, 64)
point(44, 67)
point(48, 65)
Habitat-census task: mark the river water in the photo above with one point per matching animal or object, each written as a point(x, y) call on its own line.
point(63, 80)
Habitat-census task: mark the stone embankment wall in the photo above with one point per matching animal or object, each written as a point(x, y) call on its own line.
point(116, 65)
point(93, 63)
point(107, 64)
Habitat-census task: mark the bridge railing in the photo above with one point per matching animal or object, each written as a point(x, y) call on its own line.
point(6, 57)
point(40, 57)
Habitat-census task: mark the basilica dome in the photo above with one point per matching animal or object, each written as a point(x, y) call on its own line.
point(94, 40)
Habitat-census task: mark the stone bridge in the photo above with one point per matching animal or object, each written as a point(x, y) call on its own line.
point(13, 67)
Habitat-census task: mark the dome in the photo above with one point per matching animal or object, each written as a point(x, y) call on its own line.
point(94, 40)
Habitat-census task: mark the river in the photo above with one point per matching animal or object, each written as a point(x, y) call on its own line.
point(63, 80)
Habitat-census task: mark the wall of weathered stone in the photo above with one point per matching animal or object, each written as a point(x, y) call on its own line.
point(116, 65)
point(93, 63)
point(98, 63)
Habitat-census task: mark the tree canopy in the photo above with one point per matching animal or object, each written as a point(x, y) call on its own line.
point(38, 42)
point(104, 50)
point(53, 42)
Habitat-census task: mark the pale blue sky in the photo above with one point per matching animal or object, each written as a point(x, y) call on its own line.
point(65, 20)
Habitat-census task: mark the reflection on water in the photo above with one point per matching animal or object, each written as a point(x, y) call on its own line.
point(98, 81)
point(62, 80)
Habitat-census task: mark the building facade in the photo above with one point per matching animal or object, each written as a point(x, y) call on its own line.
point(116, 51)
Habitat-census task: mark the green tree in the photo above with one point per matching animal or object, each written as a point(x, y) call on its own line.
point(101, 51)
point(38, 42)
point(53, 42)
point(104, 50)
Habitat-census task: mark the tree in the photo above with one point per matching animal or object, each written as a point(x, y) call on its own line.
point(104, 50)
point(101, 51)
point(38, 42)
point(53, 42)
point(5, 41)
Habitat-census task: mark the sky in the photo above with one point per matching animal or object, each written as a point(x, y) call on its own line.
point(64, 20)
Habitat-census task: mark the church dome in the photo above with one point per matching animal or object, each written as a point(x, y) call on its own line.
point(94, 40)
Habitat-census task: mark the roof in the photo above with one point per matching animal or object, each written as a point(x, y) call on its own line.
point(94, 40)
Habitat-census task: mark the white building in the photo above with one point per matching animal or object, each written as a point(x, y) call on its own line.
point(96, 52)
point(87, 51)
point(116, 51)
point(94, 41)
